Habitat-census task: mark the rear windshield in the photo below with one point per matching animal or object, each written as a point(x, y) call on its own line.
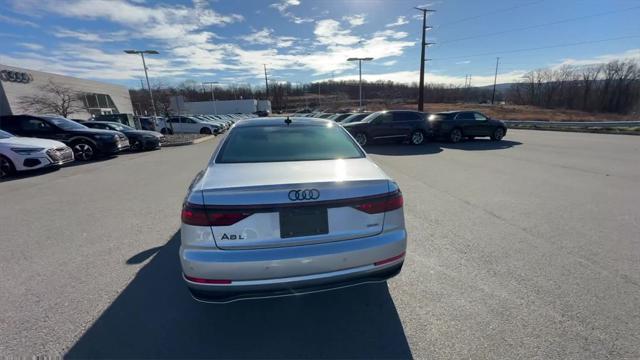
point(287, 143)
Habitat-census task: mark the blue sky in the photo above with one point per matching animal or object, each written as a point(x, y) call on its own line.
point(307, 40)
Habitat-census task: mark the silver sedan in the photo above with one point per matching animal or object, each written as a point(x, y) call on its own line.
point(289, 206)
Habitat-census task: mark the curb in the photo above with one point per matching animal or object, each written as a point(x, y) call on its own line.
point(192, 142)
point(611, 131)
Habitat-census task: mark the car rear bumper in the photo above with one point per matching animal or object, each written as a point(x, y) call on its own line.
point(260, 273)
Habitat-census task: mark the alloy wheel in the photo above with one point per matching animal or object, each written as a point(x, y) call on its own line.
point(361, 139)
point(455, 136)
point(417, 137)
point(83, 151)
point(136, 146)
point(498, 134)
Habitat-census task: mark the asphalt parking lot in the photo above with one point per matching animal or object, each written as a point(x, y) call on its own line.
point(525, 248)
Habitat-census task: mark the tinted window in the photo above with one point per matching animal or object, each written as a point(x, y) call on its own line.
point(379, 118)
point(438, 117)
point(33, 124)
point(479, 117)
point(287, 143)
point(465, 116)
point(10, 124)
point(96, 126)
point(354, 118)
point(65, 124)
point(119, 127)
point(406, 116)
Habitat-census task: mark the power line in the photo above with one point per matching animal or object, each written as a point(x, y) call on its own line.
point(491, 13)
point(537, 48)
point(539, 25)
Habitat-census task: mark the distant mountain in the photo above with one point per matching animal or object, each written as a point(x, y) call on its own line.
point(499, 87)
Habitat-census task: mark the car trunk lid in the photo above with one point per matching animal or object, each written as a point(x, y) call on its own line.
point(292, 203)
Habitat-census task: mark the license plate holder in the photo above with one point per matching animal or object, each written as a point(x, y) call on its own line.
point(303, 221)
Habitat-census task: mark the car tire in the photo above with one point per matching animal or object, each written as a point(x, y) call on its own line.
point(361, 138)
point(498, 134)
point(6, 168)
point(416, 138)
point(206, 131)
point(136, 145)
point(83, 150)
point(164, 131)
point(455, 135)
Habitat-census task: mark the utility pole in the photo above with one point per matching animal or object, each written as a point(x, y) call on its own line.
point(266, 82)
point(495, 78)
point(424, 44)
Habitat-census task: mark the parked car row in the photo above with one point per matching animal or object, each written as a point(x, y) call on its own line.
point(415, 127)
point(200, 124)
point(29, 142)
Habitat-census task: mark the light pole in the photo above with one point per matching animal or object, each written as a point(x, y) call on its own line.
point(360, 60)
point(144, 64)
point(213, 97)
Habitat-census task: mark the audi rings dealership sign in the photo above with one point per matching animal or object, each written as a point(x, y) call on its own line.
point(15, 76)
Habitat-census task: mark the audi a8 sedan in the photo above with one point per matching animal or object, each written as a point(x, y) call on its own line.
point(289, 206)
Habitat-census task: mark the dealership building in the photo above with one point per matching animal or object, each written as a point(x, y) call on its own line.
point(92, 97)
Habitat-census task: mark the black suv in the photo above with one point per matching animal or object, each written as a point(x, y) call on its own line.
point(86, 143)
point(456, 125)
point(139, 140)
point(392, 125)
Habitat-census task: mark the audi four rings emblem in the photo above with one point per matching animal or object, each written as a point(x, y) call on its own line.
point(15, 76)
point(306, 194)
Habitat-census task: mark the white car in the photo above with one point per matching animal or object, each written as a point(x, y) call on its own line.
point(21, 153)
point(192, 124)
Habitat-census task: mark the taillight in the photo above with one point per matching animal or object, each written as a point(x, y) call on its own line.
point(200, 216)
point(382, 204)
point(226, 219)
point(207, 281)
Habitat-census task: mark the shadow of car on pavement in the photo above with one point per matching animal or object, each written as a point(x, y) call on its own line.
point(155, 317)
point(429, 148)
point(481, 144)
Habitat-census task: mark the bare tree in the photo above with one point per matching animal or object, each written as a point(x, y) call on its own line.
point(54, 98)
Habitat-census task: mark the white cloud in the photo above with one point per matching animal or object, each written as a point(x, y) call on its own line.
point(391, 34)
point(283, 7)
point(32, 46)
point(401, 20)
point(285, 4)
point(329, 32)
point(186, 46)
point(626, 55)
point(355, 20)
point(90, 36)
point(158, 21)
point(463, 62)
point(266, 37)
point(92, 63)
point(15, 21)
point(390, 62)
